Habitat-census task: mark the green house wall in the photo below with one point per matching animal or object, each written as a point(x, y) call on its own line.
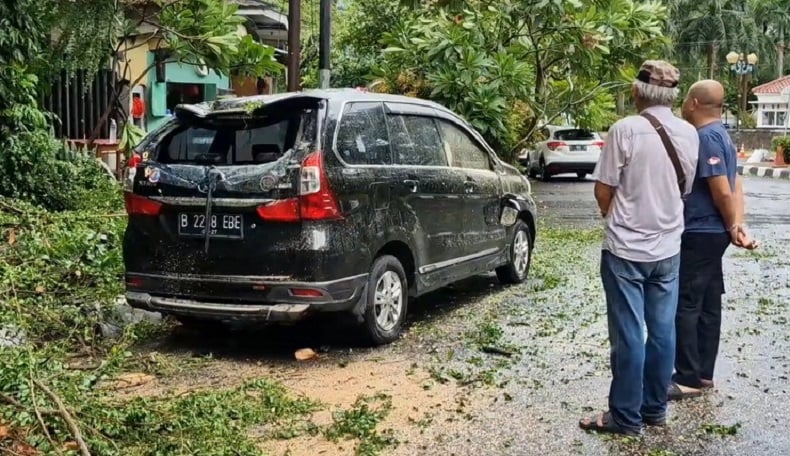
point(178, 73)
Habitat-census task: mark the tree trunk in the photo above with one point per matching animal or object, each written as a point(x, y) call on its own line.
point(780, 54)
point(621, 103)
point(712, 61)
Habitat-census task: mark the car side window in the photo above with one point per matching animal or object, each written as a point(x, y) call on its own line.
point(463, 151)
point(362, 135)
point(415, 141)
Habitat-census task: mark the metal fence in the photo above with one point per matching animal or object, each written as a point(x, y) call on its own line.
point(78, 103)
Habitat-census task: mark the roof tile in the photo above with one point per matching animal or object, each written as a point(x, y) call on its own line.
point(773, 87)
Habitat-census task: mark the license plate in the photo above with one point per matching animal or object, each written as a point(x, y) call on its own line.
point(228, 226)
point(578, 148)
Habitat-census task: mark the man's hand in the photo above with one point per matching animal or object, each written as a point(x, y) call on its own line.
point(736, 232)
point(742, 238)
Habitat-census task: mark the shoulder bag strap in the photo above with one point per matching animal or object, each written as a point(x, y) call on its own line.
point(673, 155)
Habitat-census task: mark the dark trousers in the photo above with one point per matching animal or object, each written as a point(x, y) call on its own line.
point(698, 318)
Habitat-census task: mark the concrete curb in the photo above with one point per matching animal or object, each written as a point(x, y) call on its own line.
point(764, 171)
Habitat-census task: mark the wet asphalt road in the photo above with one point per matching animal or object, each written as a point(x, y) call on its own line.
point(562, 372)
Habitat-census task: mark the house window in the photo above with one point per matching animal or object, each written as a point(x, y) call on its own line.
point(769, 118)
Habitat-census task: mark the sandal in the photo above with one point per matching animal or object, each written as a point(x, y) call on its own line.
point(677, 394)
point(607, 425)
point(706, 384)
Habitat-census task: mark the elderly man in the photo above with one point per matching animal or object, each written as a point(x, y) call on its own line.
point(645, 169)
point(713, 218)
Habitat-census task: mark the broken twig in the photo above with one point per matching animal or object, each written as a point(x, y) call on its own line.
point(64, 413)
point(496, 351)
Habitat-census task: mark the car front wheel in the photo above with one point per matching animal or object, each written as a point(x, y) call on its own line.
point(387, 300)
point(517, 268)
point(544, 174)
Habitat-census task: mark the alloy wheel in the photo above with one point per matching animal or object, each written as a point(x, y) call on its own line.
point(388, 300)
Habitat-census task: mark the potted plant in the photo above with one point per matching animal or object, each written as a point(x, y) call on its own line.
point(781, 145)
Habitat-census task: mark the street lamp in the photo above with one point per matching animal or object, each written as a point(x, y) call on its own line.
point(743, 68)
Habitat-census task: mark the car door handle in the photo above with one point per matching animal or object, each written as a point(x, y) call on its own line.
point(470, 187)
point(411, 185)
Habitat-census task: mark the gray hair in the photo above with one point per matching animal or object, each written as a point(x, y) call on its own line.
point(656, 95)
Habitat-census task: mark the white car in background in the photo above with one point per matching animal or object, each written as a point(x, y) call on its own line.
point(566, 150)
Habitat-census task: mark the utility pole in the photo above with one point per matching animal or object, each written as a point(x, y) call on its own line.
point(294, 43)
point(325, 32)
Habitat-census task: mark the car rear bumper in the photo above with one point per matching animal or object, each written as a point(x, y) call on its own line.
point(242, 297)
point(570, 167)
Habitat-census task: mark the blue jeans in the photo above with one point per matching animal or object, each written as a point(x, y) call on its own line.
point(640, 294)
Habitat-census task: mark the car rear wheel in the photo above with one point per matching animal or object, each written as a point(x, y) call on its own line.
point(516, 270)
point(388, 295)
point(544, 175)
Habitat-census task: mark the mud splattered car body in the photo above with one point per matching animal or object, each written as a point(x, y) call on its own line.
point(276, 207)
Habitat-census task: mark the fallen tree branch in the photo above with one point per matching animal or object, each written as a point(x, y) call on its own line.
point(11, 208)
point(40, 418)
point(15, 403)
point(64, 413)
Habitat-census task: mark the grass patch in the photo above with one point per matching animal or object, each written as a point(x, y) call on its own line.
point(360, 423)
point(720, 429)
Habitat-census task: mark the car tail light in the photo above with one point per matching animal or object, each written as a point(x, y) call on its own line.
point(555, 144)
point(599, 144)
point(306, 293)
point(140, 205)
point(134, 282)
point(315, 201)
point(286, 210)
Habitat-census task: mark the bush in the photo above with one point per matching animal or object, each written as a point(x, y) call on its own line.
point(782, 142)
point(30, 170)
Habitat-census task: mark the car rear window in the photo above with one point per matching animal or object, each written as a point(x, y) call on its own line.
point(575, 134)
point(247, 140)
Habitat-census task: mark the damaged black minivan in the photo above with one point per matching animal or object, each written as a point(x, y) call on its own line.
point(276, 207)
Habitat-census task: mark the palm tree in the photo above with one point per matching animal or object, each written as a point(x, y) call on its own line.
point(712, 28)
point(774, 21)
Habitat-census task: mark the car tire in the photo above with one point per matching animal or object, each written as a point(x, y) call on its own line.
point(520, 256)
point(544, 175)
point(531, 171)
point(581, 175)
point(387, 291)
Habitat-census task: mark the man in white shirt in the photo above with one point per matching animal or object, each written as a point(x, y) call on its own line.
point(639, 188)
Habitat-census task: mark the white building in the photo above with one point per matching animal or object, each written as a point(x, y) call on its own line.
point(773, 104)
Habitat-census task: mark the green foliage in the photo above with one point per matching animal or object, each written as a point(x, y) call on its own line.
point(80, 44)
point(57, 268)
point(783, 143)
point(131, 135)
point(360, 422)
point(30, 169)
point(206, 32)
point(209, 423)
point(511, 68)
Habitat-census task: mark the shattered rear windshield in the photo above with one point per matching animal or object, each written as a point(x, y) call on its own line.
point(241, 140)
